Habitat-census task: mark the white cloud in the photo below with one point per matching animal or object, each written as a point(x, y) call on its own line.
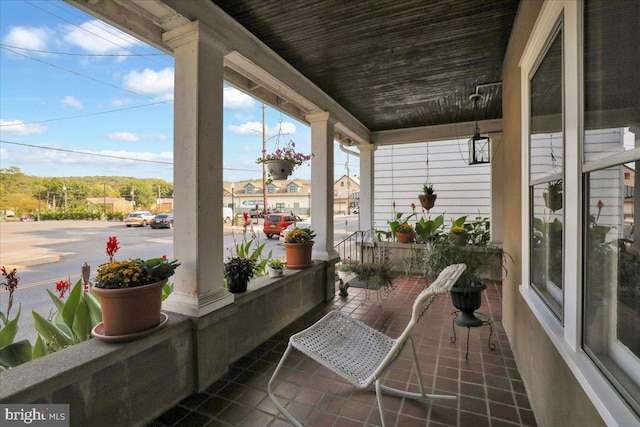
point(28, 37)
point(124, 136)
point(97, 37)
point(18, 127)
point(71, 102)
point(248, 128)
point(285, 129)
point(236, 100)
point(150, 82)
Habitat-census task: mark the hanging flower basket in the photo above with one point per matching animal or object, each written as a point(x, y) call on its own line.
point(280, 169)
point(553, 200)
point(281, 163)
point(427, 200)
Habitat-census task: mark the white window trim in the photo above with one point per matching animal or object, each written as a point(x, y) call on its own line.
point(567, 339)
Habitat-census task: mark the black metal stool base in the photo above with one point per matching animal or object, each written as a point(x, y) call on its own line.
point(471, 321)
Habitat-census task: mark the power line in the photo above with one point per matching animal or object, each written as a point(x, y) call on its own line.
point(86, 153)
point(75, 73)
point(85, 115)
point(82, 54)
point(84, 29)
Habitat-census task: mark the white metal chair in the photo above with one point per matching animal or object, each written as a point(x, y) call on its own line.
point(361, 354)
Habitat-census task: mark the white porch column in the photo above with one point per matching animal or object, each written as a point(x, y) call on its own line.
point(197, 169)
point(322, 184)
point(367, 186)
point(497, 188)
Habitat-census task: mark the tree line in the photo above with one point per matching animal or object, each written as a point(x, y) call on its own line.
point(25, 194)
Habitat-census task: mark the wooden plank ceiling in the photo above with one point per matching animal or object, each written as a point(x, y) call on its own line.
point(393, 64)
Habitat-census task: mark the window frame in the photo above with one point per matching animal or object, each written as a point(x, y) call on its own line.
point(567, 337)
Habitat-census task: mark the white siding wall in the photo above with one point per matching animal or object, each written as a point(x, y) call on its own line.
point(400, 172)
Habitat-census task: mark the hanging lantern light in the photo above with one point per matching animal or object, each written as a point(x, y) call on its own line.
point(479, 146)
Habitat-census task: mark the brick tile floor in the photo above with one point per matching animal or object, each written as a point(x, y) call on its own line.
point(489, 389)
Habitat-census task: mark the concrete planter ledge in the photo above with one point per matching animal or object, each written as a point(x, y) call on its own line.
point(132, 383)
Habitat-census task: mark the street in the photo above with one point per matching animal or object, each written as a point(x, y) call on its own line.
point(64, 245)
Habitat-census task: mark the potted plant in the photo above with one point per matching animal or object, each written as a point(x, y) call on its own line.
point(466, 294)
point(282, 162)
point(402, 222)
point(344, 270)
point(405, 233)
point(275, 267)
point(130, 293)
point(377, 275)
point(459, 235)
point(238, 271)
point(428, 196)
point(552, 195)
point(298, 244)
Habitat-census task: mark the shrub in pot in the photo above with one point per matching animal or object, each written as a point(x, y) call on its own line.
point(275, 267)
point(238, 271)
point(298, 244)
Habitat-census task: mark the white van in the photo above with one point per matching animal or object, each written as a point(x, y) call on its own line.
point(227, 214)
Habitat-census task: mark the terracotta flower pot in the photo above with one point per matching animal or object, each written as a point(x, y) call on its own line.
point(280, 169)
point(298, 255)
point(405, 237)
point(427, 200)
point(459, 239)
point(127, 311)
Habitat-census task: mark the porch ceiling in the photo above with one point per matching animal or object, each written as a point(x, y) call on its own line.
point(392, 65)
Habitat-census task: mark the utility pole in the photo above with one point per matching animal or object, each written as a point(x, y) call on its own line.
point(104, 199)
point(348, 186)
point(264, 165)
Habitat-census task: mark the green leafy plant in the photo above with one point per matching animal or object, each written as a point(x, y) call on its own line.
point(428, 189)
point(400, 219)
point(378, 274)
point(300, 235)
point(75, 318)
point(239, 269)
point(14, 353)
point(252, 249)
point(276, 263)
point(404, 228)
point(457, 230)
point(478, 260)
point(427, 230)
point(344, 267)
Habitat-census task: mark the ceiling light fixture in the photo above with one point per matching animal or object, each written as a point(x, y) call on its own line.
point(479, 146)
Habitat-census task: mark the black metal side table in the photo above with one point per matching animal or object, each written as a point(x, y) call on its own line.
point(483, 320)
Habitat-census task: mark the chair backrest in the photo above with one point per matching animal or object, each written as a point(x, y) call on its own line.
point(442, 285)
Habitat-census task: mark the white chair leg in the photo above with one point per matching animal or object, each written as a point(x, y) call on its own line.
point(273, 396)
point(379, 398)
point(410, 395)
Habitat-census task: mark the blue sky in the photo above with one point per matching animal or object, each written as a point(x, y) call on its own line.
point(74, 84)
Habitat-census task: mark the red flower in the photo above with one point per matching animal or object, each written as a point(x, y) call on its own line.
point(62, 287)
point(112, 247)
point(600, 205)
point(413, 206)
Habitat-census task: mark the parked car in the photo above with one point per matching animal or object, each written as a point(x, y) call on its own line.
point(163, 220)
point(256, 213)
point(227, 214)
point(275, 223)
point(139, 218)
point(302, 224)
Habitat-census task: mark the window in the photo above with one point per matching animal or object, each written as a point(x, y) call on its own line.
point(293, 188)
point(250, 189)
point(546, 176)
point(271, 189)
point(611, 152)
point(341, 183)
